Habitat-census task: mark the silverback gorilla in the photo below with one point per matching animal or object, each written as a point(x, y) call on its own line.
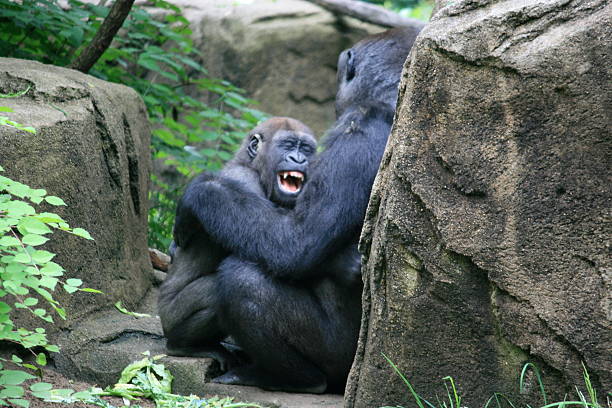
point(272, 163)
point(288, 293)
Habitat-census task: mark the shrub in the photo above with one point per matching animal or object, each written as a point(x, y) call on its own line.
point(26, 271)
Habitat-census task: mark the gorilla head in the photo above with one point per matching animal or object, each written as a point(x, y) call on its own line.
point(279, 151)
point(371, 69)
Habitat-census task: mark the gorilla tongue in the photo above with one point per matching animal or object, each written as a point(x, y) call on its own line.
point(291, 181)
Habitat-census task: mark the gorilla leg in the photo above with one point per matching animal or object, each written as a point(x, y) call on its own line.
point(278, 326)
point(187, 305)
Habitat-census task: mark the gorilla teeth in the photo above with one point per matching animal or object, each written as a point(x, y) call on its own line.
point(291, 181)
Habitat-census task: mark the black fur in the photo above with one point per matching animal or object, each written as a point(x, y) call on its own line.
point(290, 294)
point(188, 297)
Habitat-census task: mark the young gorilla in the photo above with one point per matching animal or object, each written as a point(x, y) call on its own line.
point(280, 297)
point(272, 163)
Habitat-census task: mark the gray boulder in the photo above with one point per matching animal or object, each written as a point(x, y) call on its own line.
point(91, 149)
point(487, 239)
point(283, 53)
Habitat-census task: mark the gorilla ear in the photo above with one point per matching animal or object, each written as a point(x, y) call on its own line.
point(253, 145)
point(350, 65)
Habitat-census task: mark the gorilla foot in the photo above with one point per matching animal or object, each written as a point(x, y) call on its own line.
point(225, 358)
point(252, 377)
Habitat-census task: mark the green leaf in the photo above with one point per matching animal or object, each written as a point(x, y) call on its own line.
point(52, 269)
point(52, 348)
point(18, 208)
point(30, 301)
point(74, 282)
point(49, 217)
point(41, 386)
point(42, 394)
point(53, 200)
point(90, 290)
point(82, 233)
point(12, 391)
point(7, 241)
point(14, 377)
point(70, 289)
point(41, 359)
point(20, 402)
point(48, 282)
point(41, 257)
point(83, 395)
point(32, 226)
point(123, 310)
point(37, 192)
point(34, 239)
point(23, 258)
point(4, 308)
point(40, 312)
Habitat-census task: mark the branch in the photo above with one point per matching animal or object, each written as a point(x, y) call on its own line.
point(107, 31)
point(369, 13)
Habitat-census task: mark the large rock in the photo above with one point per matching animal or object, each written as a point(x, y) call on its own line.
point(488, 235)
point(283, 53)
point(91, 149)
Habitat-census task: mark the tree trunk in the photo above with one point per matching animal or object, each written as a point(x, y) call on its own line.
point(101, 41)
point(369, 13)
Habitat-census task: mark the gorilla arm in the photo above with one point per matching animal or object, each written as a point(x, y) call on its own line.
point(328, 214)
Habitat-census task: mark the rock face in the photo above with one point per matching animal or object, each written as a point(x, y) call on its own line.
point(488, 234)
point(91, 149)
point(283, 53)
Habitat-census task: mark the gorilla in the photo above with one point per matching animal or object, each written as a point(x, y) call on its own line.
point(272, 163)
point(289, 293)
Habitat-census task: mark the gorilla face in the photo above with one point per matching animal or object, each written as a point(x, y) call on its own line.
point(370, 70)
point(289, 156)
point(281, 153)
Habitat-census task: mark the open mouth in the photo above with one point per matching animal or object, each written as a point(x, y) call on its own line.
point(290, 181)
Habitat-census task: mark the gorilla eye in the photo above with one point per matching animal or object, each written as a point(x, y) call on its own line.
point(306, 149)
point(350, 65)
point(254, 145)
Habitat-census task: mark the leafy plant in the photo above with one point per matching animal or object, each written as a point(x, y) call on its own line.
point(419, 9)
point(146, 378)
point(153, 54)
point(28, 274)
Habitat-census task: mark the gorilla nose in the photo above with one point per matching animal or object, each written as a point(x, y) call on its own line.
point(297, 158)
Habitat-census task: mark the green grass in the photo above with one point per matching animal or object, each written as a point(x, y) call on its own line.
point(497, 400)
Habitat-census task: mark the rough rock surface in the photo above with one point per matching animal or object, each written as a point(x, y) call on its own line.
point(283, 53)
point(487, 240)
point(91, 149)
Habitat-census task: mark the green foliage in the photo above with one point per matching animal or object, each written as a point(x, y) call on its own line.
point(28, 274)
point(454, 399)
point(419, 9)
point(146, 378)
point(153, 54)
